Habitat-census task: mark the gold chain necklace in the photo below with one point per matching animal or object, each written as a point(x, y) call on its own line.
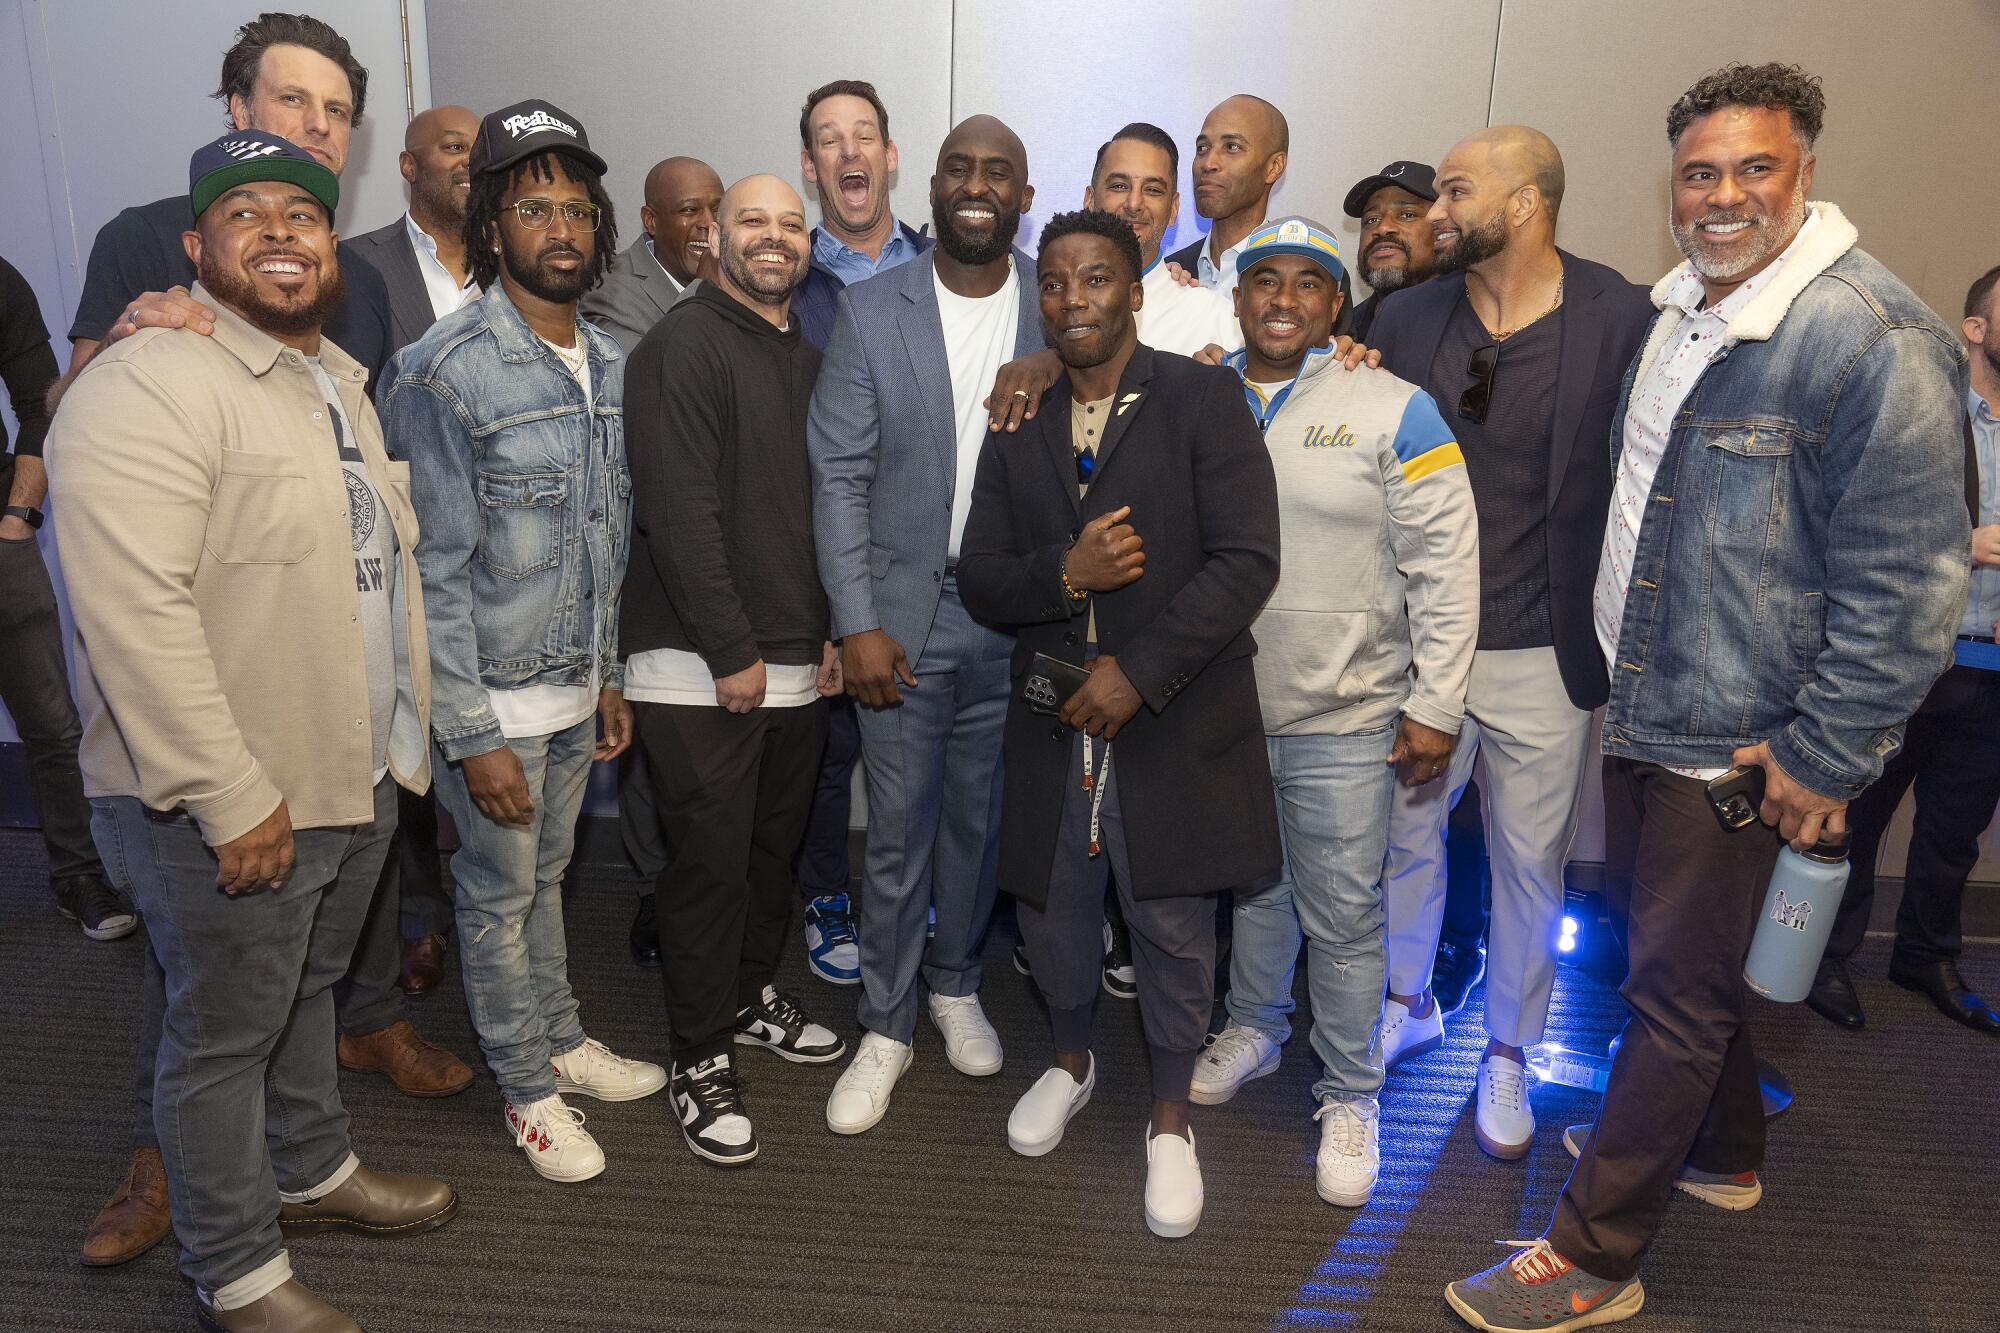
point(1508, 333)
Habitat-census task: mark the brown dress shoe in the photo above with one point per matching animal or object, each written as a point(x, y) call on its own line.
point(136, 1219)
point(375, 1203)
point(415, 1066)
point(423, 964)
point(289, 1309)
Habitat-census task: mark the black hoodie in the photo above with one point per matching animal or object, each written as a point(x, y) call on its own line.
point(715, 430)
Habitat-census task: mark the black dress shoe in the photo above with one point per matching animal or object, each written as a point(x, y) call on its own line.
point(1832, 996)
point(1457, 970)
point(1948, 991)
point(646, 935)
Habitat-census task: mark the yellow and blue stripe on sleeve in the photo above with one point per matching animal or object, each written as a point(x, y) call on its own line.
point(1424, 443)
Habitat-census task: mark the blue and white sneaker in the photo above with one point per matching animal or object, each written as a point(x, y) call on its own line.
point(831, 946)
point(1539, 1291)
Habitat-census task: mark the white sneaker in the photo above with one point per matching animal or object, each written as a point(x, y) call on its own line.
point(1035, 1126)
point(1231, 1058)
point(594, 1071)
point(1405, 1035)
point(1350, 1151)
point(1173, 1184)
point(1502, 1120)
point(970, 1042)
point(861, 1094)
point(553, 1136)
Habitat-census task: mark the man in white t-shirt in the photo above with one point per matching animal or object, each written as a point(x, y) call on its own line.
point(898, 421)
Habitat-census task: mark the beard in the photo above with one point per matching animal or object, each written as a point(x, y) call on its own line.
point(1990, 349)
point(442, 199)
point(966, 250)
point(285, 317)
point(1476, 244)
point(1773, 234)
point(1394, 277)
point(549, 284)
point(766, 284)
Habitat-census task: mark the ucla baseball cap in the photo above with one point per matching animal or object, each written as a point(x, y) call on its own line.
point(1291, 236)
point(525, 129)
point(253, 155)
point(1415, 177)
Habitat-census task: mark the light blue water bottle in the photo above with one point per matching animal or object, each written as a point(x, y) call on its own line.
point(1792, 930)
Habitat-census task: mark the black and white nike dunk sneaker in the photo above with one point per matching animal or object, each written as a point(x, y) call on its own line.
point(777, 1023)
point(710, 1106)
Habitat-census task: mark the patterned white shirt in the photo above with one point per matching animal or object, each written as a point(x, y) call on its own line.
point(1649, 422)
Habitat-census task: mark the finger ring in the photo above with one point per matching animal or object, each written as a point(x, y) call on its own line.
point(1020, 393)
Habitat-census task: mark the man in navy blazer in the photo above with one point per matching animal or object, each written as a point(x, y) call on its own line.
point(894, 436)
point(1523, 347)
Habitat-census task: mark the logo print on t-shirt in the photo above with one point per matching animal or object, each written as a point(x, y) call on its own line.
point(360, 509)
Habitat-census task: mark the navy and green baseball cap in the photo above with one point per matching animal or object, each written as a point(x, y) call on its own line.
point(253, 155)
point(1292, 236)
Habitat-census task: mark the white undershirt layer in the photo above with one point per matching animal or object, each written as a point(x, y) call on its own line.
point(543, 710)
point(445, 291)
point(979, 334)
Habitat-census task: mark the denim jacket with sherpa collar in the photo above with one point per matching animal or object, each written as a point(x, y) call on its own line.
point(1802, 564)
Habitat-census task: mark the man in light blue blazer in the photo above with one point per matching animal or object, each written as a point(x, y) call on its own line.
point(898, 420)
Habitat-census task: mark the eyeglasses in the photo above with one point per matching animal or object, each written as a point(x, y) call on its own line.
point(1476, 400)
point(540, 214)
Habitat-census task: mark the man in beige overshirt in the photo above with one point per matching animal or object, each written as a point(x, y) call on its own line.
point(254, 680)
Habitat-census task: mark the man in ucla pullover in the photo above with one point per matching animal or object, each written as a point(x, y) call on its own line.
point(1380, 574)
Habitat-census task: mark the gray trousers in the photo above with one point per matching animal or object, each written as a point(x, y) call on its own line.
point(933, 769)
point(1173, 941)
point(246, 1095)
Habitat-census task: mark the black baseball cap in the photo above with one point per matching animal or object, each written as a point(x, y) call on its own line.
point(1415, 177)
point(253, 155)
point(526, 128)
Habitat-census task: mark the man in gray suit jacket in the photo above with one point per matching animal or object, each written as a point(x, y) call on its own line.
point(656, 270)
point(897, 424)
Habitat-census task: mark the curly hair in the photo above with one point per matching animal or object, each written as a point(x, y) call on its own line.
point(482, 213)
point(241, 61)
point(1778, 87)
point(1095, 222)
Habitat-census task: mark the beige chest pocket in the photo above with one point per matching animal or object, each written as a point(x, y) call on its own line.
point(260, 515)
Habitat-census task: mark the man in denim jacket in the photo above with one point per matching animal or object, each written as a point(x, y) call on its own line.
point(1782, 575)
point(510, 414)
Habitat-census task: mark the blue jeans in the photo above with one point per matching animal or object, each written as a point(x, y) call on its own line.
point(1333, 817)
point(246, 1095)
point(510, 926)
point(933, 770)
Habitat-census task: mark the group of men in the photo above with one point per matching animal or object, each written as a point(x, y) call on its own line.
point(1026, 535)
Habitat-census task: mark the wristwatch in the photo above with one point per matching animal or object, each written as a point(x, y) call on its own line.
point(26, 513)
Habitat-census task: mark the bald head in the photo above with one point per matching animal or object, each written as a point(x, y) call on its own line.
point(1239, 157)
point(1521, 155)
point(436, 148)
point(683, 195)
point(764, 248)
point(985, 136)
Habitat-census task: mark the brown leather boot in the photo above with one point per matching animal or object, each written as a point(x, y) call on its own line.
point(375, 1203)
point(136, 1219)
point(289, 1309)
point(423, 964)
point(415, 1066)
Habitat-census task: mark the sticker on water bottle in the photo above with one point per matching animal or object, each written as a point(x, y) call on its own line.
point(1788, 913)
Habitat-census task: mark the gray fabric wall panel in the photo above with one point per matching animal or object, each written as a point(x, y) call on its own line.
point(715, 80)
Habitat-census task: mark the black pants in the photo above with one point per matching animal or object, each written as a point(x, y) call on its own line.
point(823, 859)
point(1951, 754)
point(420, 903)
point(733, 791)
point(34, 684)
point(1684, 1085)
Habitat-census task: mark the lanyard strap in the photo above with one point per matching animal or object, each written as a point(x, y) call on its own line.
point(1095, 786)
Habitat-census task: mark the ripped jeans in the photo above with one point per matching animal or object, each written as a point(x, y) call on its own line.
point(1333, 816)
point(508, 880)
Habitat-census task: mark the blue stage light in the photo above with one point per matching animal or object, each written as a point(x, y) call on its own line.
point(1566, 944)
point(1569, 930)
